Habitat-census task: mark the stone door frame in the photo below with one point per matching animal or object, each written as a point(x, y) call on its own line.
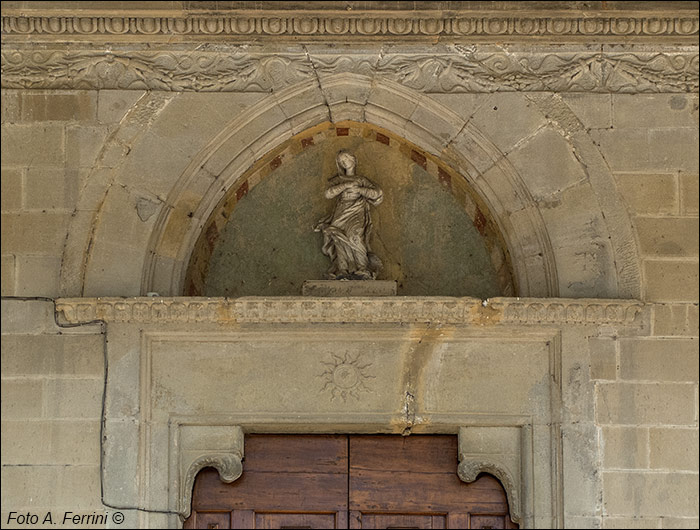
point(149, 464)
point(504, 451)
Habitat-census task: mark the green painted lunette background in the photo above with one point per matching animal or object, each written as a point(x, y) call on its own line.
point(424, 237)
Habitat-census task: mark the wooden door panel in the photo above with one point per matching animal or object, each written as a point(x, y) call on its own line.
point(430, 454)
point(273, 491)
point(399, 520)
point(416, 474)
point(490, 521)
point(295, 520)
point(287, 482)
point(209, 520)
point(427, 492)
point(296, 453)
point(313, 481)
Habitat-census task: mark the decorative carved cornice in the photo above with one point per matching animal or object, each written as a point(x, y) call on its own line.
point(516, 311)
point(456, 68)
point(560, 25)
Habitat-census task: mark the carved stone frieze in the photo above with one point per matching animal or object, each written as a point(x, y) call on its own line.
point(473, 70)
point(519, 311)
point(235, 70)
point(455, 69)
point(356, 25)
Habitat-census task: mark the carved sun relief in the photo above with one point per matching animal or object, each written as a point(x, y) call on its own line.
point(346, 376)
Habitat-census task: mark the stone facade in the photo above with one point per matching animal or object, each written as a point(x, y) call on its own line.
point(569, 138)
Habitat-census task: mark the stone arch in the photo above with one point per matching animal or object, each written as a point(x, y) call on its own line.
point(542, 220)
point(319, 137)
point(401, 111)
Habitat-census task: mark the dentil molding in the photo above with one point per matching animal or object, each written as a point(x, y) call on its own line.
point(355, 25)
point(519, 311)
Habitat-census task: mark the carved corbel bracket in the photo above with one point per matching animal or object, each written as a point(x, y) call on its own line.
point(226, 460)
point(470, 468)
point(505, 465)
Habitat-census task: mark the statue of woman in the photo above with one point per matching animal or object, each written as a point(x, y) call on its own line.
point(347, 230)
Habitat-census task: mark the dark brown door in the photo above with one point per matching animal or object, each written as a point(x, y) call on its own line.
point(338, 481)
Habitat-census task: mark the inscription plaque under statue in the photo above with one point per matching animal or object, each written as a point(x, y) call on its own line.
point(349, 288)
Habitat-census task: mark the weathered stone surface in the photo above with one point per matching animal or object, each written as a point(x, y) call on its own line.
point(646, 110)
point(51, 355)
point(8, 275)
point(666, 237)
point(50, 189)
point(623, 523)
point(676, 319)
point(348, 288)
point(74, 488)
point(689, 194)
point(38, 275)
point(679, 522)
point(649, 194)
point(659, 360)
point(112, 105)
point(11, 192)
point(673, 449)
point(671, 281)
point(522, 116)
point(27, 317)
point(603, 358)
point(649, 150)
point(84, 144)
point(52, 106)
point(547, 163)
point(66, 443)
point(74, 398)
point(650, 494)
point(33, 145)
point(48, 232)
point(594, 110)
point(638, 403)
point(625, 447)
point(22, 399)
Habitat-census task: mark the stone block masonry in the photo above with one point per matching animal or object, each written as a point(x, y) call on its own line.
point(52, 385)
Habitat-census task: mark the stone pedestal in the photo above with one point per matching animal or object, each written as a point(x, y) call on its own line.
point(349, 288)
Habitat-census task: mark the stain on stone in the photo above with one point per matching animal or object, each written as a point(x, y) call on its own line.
point(444, 177)
point(145, 209)
point(342, 131)
point(419, 159)
point(212, 234)
point(306, 142)
point(276, 162)
point(678, 102)
point(243, 190)
point(480, 222)
point(383, 139)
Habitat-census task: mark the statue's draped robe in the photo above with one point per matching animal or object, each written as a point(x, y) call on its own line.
point(346, 232)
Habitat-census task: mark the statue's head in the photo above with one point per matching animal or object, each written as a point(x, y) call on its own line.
point(345, 161)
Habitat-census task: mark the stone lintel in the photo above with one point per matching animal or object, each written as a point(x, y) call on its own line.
point(371, 309)
point(349, 288)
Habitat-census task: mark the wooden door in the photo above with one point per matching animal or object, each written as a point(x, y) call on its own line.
point(348, 482)
point(412, 482)
point(287, 482)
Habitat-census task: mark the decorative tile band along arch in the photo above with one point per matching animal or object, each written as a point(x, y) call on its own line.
point(454, 182)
